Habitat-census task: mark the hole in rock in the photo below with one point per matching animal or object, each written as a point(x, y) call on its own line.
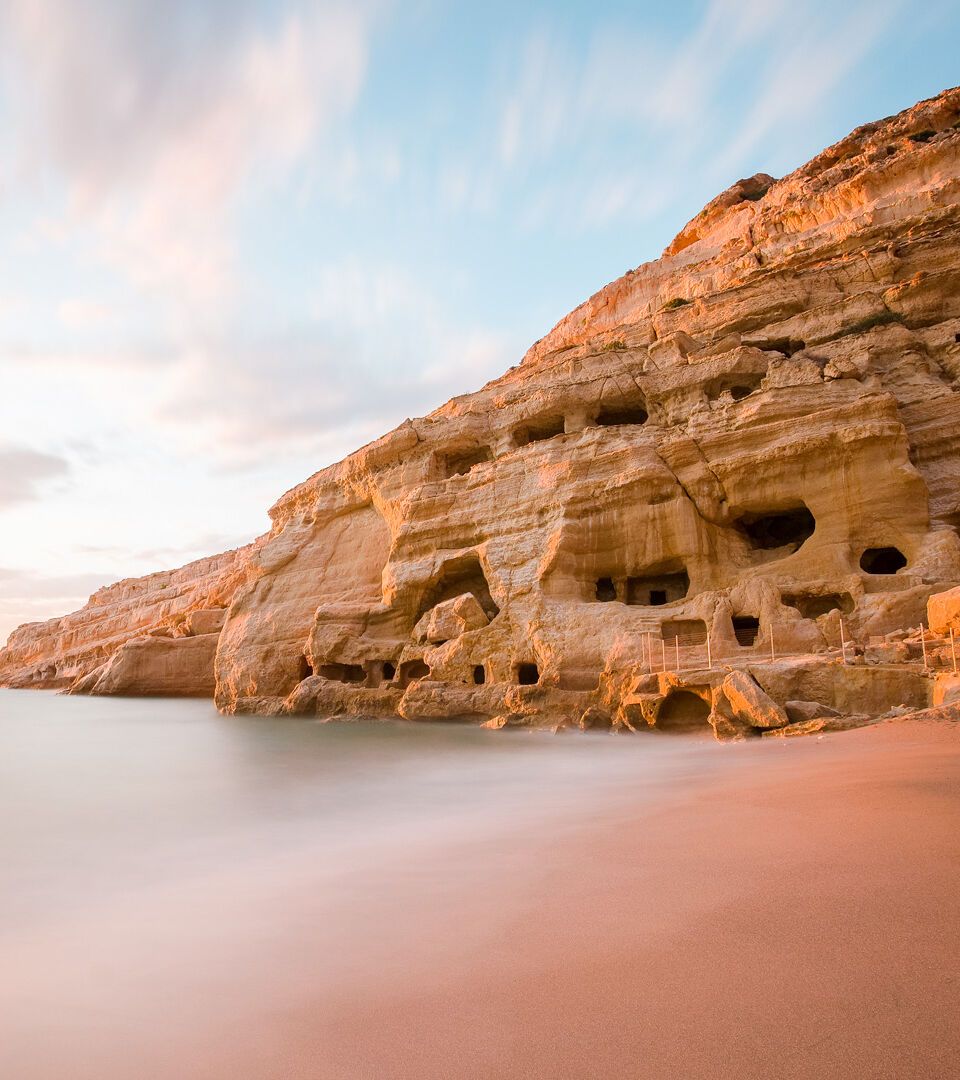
point(606, 590)
point(459, 463)
point(538, 431)
point(784, 528)
point(479, 675)
point(656, 589)
point(623, 414)
point(813, 605)
point(787, 346)
point(412, 670)
point(389, 671)
point(683, 711)
point(745, 629)
point(956, 338)
point(459, 576)
point(306, 668)
point(687, 631)
point(739, 385)
point(527, 674)
point(882, 560)
point(345, 673)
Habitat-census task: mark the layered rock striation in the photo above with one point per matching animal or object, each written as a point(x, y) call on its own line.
point(725, 454)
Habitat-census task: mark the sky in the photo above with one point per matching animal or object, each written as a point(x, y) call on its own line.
point(240, 238)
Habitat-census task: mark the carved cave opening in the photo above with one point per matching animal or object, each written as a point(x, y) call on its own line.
point(306, 669)
point(682, 712)
point(622, 415)
point(882, 560)
point(459, 463)
point(787, 346)
point(389, 671)
point(464, 575)
point(654, 590)
point(781, 528)
point(527, 674)
point(538, 430)
point(738, 385)
point(479, 675)
point(606, 590)
point(684, 631)
point(345, 673)
point(813, 605)
point(413, 671)
point(746, 629)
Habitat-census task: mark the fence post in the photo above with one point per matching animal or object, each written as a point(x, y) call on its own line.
point(663, 650)
point(773, 652)
point(709, 653)
point(953, 650)
point(923, 645)
point(676, 644)
point(843, 642)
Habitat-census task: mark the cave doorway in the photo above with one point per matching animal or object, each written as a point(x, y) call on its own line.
point(527, 674)
point(746, 629)
point(306, 668)
point(683, 712)
point(882, 560)
point(783, 528)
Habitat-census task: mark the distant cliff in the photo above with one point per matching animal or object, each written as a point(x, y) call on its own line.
point(747, 440)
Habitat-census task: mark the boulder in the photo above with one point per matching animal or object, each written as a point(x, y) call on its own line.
point(943, 612)
point(750, 704)
point(450, 619)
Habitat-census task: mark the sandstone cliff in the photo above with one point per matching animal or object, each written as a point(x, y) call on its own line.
point(733, 447)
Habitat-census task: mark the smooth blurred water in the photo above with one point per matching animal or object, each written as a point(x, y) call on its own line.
point(154, 853)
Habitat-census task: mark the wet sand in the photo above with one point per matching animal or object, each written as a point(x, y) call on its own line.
point(784, 909)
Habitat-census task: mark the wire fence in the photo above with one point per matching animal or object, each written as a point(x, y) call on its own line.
point(696, 650)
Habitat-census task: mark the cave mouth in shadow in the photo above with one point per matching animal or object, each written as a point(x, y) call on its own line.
point(345, 673)
point(459, 576)
point(683, 712)
point(538, 430)
point(305, 668)
point(412, 671)
point(813, 605)
point(655, 590)
point(606, 590)
point(460, 462)
point(777, 529)
point(527, 674)
point(882, 560)
point(622, 415)
point(746, 629)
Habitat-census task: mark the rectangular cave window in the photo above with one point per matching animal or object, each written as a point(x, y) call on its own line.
point(624, 414)
point(687, 631)
point(306, 668)
point(479, 675)
point(606, 590)
point(538, 431)
point(389, 671)
point(527, 674)
point(345, 673)
point(655, 590)
point(745, 629)
point(458, 463)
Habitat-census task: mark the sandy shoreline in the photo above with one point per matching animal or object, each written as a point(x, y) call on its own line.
point(796, 921)
point(770, 909)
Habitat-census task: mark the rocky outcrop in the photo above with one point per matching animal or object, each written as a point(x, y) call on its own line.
point(750, 446)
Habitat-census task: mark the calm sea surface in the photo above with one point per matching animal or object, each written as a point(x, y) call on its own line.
point(172, 880)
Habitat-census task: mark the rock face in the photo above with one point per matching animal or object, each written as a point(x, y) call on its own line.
point(739, 444)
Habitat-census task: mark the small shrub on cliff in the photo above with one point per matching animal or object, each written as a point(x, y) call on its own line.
point(921, 136)
point(614, 346)
point(677, 301)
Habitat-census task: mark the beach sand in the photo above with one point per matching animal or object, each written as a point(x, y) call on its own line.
point(791, 911)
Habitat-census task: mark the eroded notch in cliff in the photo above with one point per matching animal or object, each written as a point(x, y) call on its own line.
point(459, 576)
point(623, 414)
point(656, 589)
point(460, 462)
point(539, 430)
point(813, 605)
point(882, 560)
point(789, 528)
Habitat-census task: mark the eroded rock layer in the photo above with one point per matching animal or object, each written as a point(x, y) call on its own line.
point(731, 449)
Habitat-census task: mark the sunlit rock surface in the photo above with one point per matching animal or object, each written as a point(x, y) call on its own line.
point(736, 446)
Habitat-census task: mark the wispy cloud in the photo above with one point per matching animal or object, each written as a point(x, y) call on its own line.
point(24, 472)
point(158, 118)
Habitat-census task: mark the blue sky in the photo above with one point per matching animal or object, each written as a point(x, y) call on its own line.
point(240, 239)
